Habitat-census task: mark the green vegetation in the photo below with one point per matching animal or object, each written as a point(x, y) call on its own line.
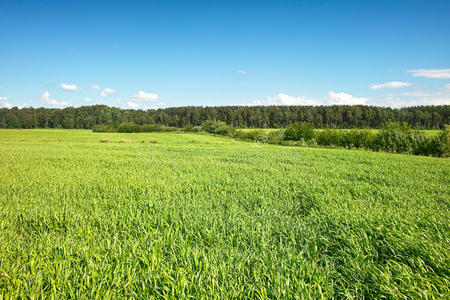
point(394, 137)
point(427, 132)
point(299, 131)
point(99, 215)
point(334, 116)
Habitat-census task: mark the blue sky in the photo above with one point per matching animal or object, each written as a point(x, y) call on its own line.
point(150, 54)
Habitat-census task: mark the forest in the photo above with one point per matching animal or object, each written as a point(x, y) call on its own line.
point(336, 116)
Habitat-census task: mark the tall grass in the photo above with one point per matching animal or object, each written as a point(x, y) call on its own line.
point(200, 216)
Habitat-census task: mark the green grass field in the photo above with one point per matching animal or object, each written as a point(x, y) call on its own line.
point(98, 215)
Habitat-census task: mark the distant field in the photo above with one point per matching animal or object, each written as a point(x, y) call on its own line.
point(428, 132)
point(98, 215)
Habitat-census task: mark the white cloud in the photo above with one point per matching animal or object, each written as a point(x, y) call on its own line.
point(4, 102)
point(283, 99)
point(131, 104)
point(242, 72)
point(69, 87)
point(344, 99)
point(87, 100)
point(142, 96)
point(433, 96)
point(95, 87)
point(390, 85)
point(52, 102)
point(333, 98)
point(153, 105)
point(107, 92)
point(398, 102)
point(431, 73)
point(425, 96)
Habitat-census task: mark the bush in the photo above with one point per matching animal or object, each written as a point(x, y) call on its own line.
point(251, 135)
point(329, 137)
point(188, 128)
point(357, 139)
point(399, 138)
point(218, 127)
point(435, 146)
point(210, 126)
point(225, 130)
point(151, 128)
point(275, 137)
point(168, 129)
point(129, 127)
point(299, 131)
point(103, 128)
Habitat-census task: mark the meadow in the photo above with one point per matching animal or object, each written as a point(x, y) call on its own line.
point(189, 215)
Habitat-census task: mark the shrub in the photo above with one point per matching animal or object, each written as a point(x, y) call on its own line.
point(131, 127)
point(357, 138)
point(103, 128)
point(329, 137)
point(299, 131)
point(168, 129)
point(224, 129)
point(218, 127)
point(400, 139)
point(251, 135)
point(435, 146)
point(210, 125)
point(128, 127)
point(275, 136)
point(151, 128)
point(188, 128)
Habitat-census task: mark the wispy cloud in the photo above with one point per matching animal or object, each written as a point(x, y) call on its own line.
point(431, 73)
point(69, 87)
point(52, 102)
point(95, 87)
point(87, 100)
point(390, 85)
point(106, 92)
point(4, 102)
point(242, 72)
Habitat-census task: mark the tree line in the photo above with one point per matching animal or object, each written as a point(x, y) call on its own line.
point(336, 116)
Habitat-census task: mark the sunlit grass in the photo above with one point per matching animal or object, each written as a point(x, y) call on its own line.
point(86, 215)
